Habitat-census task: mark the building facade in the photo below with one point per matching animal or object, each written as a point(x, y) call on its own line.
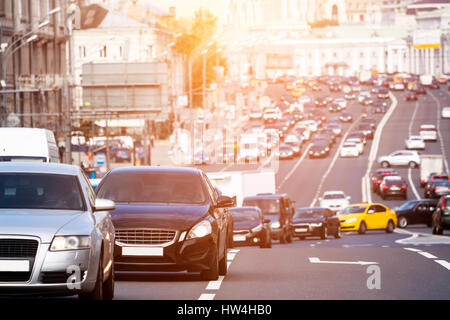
point(33, 37)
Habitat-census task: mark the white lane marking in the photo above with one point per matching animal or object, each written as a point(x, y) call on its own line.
point(443, 263)
point(376, 142)
point(228, 265)
point(317, 260)
point(413, 187)
point(295, 167)
point(233, 250)
point(207, 296)
point(412, 249)
point(427, 255)
point(215, 285)
point(438, 128)
point(419, 238)
point(333, 161)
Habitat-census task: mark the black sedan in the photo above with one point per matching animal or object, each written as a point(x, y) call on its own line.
point(416, 212)
point(319, 149)
point(250, 227)
point(437, 188)
point(316, 222)
point(167, 219)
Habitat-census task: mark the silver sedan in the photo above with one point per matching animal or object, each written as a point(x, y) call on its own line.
point(55, 236)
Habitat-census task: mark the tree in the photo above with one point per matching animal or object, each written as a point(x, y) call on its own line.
point(196, 34)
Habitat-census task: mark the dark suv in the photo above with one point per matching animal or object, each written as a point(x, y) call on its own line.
point(441, 217)
point(279, 210)
point(416, 212)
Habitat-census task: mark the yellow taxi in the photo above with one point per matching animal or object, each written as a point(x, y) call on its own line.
point(367, 216)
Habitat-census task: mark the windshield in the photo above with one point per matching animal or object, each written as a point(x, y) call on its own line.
point(353, 209)
point(40, 191)
point(407, 205)
point(308, 213)
point(240, 215)
point(153, 187)
point(267, 206)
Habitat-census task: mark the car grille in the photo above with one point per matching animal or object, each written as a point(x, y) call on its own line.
point(144, 236)
point(18, 248)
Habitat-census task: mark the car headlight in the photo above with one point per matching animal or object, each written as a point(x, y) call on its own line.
point(275, 225)
point(352, 220)
point(61, 243)
point(316, 224)
point(257, 228)
point(201, 229)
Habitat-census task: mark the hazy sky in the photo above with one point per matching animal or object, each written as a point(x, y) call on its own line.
point(186, 8)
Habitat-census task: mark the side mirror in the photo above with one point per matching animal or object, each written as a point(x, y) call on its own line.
point(104, 205)
point(225, 202)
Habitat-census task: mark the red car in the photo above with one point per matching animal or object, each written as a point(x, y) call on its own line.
point(411, 96)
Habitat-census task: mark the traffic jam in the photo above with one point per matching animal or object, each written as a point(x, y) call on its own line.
point(60, 236)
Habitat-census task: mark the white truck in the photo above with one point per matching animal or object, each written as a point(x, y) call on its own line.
point(249, 148)
point(430, 163)
point(241, 184)
point(28, 144)
point(426, 79)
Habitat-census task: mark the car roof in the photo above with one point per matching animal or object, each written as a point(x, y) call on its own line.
point(254, 208)
point(266, 196)
point(38, 167)
point(333, 192)
point(310, 209)
point(161, 169)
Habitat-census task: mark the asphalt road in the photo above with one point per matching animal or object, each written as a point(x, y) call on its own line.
point(410, 263)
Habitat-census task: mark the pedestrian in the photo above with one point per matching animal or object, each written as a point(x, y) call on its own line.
point(152, 140)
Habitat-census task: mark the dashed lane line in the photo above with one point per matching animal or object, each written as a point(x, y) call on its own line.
point(428, 255)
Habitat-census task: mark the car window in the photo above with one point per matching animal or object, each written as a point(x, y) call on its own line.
point(267, 206)
point(90, 192)
point(40, 191)
point(211, 190)
point(153, 187)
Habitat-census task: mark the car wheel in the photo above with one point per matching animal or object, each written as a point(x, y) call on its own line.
point(324, 234)
point(301, 238)
point(282, 237)
point(223, 263)
point(338, 234)
point(213, 272)
point(362, 228)
point(412, 164)
point(289, 237)
point(108, 286)
point(97, 293)
point(402, 222)
point(385, 164)
point(390, 227)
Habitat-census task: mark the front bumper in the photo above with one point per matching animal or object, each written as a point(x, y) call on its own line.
point(49, 273)
point(248, 238)
point(304, 230)
point(191, 255)
point(349, 226)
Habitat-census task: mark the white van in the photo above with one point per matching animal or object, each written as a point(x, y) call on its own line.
point(28, 144)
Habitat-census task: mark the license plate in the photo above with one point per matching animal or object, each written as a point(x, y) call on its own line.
point(395, 188)
point(239, 238)
point(14, 266)
point(301, 229)
point(138, 251)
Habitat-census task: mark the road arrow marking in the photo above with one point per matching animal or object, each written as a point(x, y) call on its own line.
point(362, 263)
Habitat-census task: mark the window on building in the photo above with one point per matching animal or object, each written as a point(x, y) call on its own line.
point(103, 52)
point(2, 8)
point(149, 52)
point(82, 51)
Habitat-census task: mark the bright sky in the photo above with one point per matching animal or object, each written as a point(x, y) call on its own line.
point(186, 8)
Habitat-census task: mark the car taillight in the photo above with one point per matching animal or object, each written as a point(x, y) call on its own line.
point(117, 153)
point(403, 187)
point(385, 187)
point(423, 182)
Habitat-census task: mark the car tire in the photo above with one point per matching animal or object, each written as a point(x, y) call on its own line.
point(212, 273)
point(97, 292)
point(402, 222)
point(223, 263)
point(109, 284)
point(338, 233)
point(362, 228)
point(385, 164)
point(324, 233)
point(412, 164)
point(390, 227)
point(301, 238)
point(289, 237)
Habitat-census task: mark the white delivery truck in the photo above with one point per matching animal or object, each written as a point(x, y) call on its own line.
point(241, 184)
point(248, 148)
point(426, 79)
point(430, 163)
point(28, 144)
